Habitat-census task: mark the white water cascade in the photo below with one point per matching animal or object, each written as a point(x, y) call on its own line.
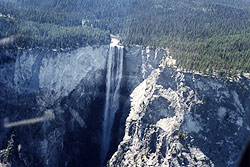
point(113, 84)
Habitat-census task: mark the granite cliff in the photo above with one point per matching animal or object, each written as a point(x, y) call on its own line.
point(184, 119)
point(166, 117)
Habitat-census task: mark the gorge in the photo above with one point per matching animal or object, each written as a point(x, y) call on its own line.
point(120, 106)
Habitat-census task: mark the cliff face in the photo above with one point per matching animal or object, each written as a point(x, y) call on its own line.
point(184, 119)
point(72, 85)
point(166, 117)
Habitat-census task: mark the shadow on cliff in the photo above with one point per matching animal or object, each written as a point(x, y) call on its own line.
point(222, 139)
point(82, 142)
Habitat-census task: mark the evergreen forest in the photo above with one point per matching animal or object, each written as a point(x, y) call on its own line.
point(203, 35)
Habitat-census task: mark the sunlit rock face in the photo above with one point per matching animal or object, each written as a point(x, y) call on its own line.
point(184, 119)
point(71, 84)
point(165, 118)
point(55, 75)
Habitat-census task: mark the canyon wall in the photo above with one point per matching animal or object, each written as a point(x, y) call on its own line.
point(72, 86)
point(184, 119)
point(165, 118)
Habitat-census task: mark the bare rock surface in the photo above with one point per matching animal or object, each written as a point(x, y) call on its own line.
point(184, 119)
point(71, 85)
point(166, 117)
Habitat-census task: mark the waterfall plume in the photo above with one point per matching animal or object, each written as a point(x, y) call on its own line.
point(113, 84)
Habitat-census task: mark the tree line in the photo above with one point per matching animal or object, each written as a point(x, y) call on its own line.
point(206, 35)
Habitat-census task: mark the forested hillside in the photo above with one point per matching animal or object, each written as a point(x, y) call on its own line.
point(204, 35)
point(30, 34)
point(33, 28)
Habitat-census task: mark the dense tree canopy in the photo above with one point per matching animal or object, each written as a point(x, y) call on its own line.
point(204, 35)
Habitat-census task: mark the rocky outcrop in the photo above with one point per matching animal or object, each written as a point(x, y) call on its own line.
point(184, 119)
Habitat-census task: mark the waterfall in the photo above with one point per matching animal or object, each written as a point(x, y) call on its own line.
point(113, 84)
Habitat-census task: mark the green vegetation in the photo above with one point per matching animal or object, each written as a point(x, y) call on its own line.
point(226, 54)
point(206, 35)
point(182, 134)
point(29, 32)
